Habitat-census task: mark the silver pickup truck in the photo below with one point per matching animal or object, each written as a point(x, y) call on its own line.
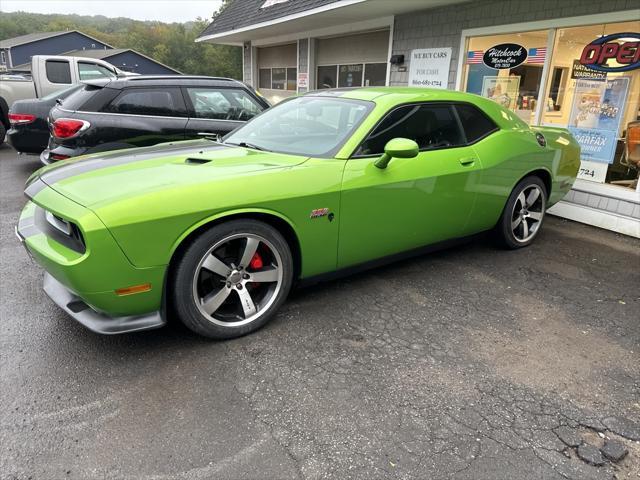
point(49, 74)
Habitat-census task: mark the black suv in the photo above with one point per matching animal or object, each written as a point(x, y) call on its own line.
point(141, 111)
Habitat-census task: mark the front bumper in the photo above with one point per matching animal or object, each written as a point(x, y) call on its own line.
point(84, 283)
point(95, 321)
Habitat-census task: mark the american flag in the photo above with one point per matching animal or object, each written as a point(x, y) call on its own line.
point(474, 56)
point(537, 55)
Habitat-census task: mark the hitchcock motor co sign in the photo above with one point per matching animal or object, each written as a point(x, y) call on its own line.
point(505, 55)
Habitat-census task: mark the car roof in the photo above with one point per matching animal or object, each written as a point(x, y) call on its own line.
point(389, 97)
point(402, 94)
point(165, 81)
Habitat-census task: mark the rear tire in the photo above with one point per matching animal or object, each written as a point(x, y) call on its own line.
point(523, 214)
point(3, 134)
point(230, 280)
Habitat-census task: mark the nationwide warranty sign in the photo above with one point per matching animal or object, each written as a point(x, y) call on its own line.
point(619, 52)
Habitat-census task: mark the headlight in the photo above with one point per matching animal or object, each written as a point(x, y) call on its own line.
point(59, 223)
point(62, 231)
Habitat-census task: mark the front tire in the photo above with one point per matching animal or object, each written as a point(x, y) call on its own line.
point(231, 279)
point(523, 214)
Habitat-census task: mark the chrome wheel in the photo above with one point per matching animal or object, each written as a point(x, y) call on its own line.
point(237, 280)
point(527, 214)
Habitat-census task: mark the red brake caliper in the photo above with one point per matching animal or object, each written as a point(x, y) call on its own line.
point(256, 262)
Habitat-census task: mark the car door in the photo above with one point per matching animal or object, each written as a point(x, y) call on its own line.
point(143, 116)
point(413, 201)
point(218, 110)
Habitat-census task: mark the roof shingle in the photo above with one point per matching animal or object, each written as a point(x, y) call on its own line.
point(242, 13)
point(28, 38)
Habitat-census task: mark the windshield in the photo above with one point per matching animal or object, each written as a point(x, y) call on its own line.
point(309, 126)
point(64, 93)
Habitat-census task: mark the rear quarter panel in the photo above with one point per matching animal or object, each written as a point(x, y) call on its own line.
point(507, 156)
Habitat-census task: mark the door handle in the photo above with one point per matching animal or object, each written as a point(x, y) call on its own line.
point(467, 161)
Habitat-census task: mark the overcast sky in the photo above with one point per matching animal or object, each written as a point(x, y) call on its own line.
point(163, 10)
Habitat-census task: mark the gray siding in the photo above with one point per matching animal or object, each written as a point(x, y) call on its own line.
point(53, 46)
point(617, 206)
point(442, 27)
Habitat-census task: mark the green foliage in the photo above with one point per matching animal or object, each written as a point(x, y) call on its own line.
point(170, 43)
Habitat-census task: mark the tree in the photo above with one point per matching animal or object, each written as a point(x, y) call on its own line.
point(170, 43)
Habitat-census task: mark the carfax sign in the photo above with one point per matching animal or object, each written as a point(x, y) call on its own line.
point(596, 113)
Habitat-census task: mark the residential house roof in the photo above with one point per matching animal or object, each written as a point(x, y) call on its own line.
point(106, 53)
point(34, 37)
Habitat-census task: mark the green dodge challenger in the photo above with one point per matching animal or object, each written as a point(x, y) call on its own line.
point(325, 183)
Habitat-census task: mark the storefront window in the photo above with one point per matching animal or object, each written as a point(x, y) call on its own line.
point(265, 78)
point(352, 75)
point(597, 106)
point(327, 76)
point(292, 78)
point(375, 74)
point(278, 78)
point(508, 69)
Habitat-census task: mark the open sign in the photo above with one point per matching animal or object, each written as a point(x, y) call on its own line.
point(624, 48)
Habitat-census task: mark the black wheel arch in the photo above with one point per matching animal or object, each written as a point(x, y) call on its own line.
point(282, 226)
point(4, 113)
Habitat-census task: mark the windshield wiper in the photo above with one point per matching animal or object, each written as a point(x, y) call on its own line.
point(247, 145)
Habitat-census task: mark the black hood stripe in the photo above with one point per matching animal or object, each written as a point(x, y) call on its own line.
point(34, 188)
point(120, 158)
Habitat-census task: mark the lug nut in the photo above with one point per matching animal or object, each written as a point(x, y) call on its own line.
point(228, 284)
point(245, 276)
point(239, 286)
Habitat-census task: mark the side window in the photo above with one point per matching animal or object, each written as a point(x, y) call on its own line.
point(58, 71)
point(91, 71)
point(474, 122)
point(430, 126)
point(148, 101)
point(223, 104)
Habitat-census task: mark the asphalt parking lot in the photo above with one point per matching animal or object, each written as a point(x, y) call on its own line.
point(470, 363)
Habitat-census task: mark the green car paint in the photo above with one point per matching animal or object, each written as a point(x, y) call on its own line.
point(135, 208)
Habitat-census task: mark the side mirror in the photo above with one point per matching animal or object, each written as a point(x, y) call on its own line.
point(397, 148)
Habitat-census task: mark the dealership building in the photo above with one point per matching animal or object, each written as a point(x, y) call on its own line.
point(541, 59)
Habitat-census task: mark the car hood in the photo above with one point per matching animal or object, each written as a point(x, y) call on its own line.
point(112, 176)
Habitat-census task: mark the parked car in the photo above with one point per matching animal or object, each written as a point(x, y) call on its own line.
point(29, 119)
point(142, 111)
point(49, 73)
point(319, 185)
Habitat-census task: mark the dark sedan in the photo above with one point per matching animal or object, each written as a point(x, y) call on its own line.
point(143, 111)
point(29, 132)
